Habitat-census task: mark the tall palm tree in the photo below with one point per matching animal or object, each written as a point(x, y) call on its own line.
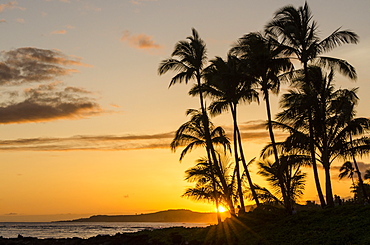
point(298, 35)
point(265, 62)
point(228, 85)
point(189, 59)
point(317, 107)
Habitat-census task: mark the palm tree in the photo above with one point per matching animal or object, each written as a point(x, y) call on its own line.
point(228, 85)
point(347, 170)
point(201, 174)
point(189, 58)
point(265, 63)
point(325, 118)
point(192, 134)
point(298, 35)
point(289, 167)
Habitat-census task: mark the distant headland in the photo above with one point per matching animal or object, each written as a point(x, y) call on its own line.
point(172, 215)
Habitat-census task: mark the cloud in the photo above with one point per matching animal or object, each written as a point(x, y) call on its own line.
point(58, 32)
point(47, 102)
point(361, 165)
point(139, 2)
point(2, 21)
point(139, 41)
point(29, 64)
point(70, 27)
point(255, 131)
point(10, 5)
point(93, 8)
point(90, 143)
point(20, 20)
point(119, 142)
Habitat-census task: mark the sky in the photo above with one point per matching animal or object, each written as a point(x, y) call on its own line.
point(86, 120)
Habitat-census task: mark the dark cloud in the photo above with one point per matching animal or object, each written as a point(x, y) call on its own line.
point(47, 102)
point(29, 64)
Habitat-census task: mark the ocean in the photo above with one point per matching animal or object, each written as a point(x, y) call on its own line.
point(81, 230)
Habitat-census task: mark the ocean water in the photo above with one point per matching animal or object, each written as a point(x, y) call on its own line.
point(82, 230)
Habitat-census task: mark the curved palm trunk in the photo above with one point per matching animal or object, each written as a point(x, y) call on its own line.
point(245, 166)
point(215, 195)
point(213, 159)
point(238, 178)
point(286, 200)
point(360, 181)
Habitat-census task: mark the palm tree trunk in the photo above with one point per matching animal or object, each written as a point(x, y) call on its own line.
point(238, 178)
point(213, 160)
point(328, 186)
point(312, 146)
point(273, 142)
point(360, 181)
point(314, 165)
point(215, 195)
point(245, 166)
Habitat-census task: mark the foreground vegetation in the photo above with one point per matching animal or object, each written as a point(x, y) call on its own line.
point(346, 224)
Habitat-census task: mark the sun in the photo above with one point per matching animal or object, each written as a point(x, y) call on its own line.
point(221, 209)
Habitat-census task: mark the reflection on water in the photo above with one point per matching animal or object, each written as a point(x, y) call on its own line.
point(82, 230)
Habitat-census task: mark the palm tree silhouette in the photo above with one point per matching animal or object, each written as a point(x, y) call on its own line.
point(265, 62)
point(192, 134)
point(189, 59)
point(347, 170)
point(330, 113)
point(201, 174)
point(299, 36)
point(228, 84)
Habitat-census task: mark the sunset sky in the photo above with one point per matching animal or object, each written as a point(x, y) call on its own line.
point(86, 126)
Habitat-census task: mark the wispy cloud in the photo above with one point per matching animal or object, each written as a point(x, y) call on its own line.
point(58, 32)
point(10, 5)
point(93, 8)
point(2, 21)
point(139, 41)
point(83, 143)
point(117, 143)
point(138, 2)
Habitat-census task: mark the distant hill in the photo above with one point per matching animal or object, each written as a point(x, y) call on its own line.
point(176, 215)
